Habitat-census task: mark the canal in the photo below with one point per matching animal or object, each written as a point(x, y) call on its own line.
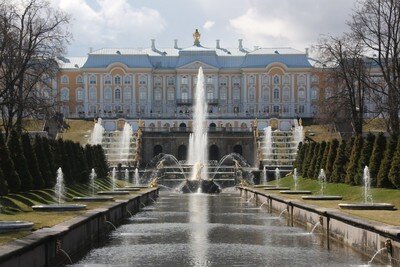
point(215, 230)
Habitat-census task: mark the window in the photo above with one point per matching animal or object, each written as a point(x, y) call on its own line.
point(276, 80)
point(143, 94)
point(252, 79)
point(92, 109)
point(301, 109)
point(171, 81)
point(64, 94)
point(117, 94)
point(128, 79)
point(209, 80)
point(276, 94)
point(276, 109)
point(314, 93)
point(79, 94)
point(64, 79)
point(107, 79)
point(252, 94)
point(92, 79)
point(184, 95)
point(117, 79)
point(210, 94)
point(301, 79)
point(79, 79)
point(286, 79)
point(286, 94)
point(107, 93)
point(118, 109)
point(285, 109)
point(142, 80)
point(157, 81)
point(223, 94)
point(236, 94)
point(223, 81)
point(157, 94)
point(302, 94)
point(184, 80)
point(266, 94)
point(265, 79)
point(171, 94)
point(92, 93)
point(236, 81)
point(127, 93)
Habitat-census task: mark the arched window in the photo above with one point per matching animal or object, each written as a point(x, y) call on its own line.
point(79, 79)
point(171, 94)
point(236, 81)
point(236, 94)
point(64, 96)
point(223, 81)
point(184, 80)
point(157, 94)
point(252, 94)
point(213, 152)
point(210, 94)
point(276, 80)
point(128, 79)
point(286, 79)
point(117, 94)
point(107, 93)
point(266, 94)
point(171, 81)
point(127, 93)
point(92, 93)
point(302, 94)
point(64, 79)
point(92, 79)
point(80, 95)
point(252, 79)
point(107, 79)
point(223, 94)
point(157, 81)
point(286, 94)
point(314, 93)
point(143, 94)
point(184, 95)
point(117, 79)
point(209, 80)
point(276, 94)
point(265, 79)
point(142, 80)
point(301, 79)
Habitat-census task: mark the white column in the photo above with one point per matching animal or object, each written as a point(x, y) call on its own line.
point(308, 102)
point(292, 100)
point(244, 94)
point(164, 94)
point(101, 101)
point(149, 93)
point(86, 91)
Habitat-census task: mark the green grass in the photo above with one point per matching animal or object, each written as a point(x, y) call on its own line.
point(351, 194)
point(78, 131)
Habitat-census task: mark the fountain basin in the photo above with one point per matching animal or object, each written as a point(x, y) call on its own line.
point(127, 189)
point(206, 186)
point(296, 192)
point(93, 199)
point(137, 186)
point(322, 197)
point(116, 193)
point(10, 226)
point(265, 186)
point(367, 206)
point(277, 188)
point(59, 207)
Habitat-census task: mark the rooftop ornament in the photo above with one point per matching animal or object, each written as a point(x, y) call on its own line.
point(196, 37)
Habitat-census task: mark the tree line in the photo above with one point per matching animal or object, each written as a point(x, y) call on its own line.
point(344, 162)
point(31, 163)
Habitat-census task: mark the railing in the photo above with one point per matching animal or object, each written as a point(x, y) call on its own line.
point(189, 129)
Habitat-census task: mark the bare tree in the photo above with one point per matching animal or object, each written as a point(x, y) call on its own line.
point(377, 24)
point(34, 34)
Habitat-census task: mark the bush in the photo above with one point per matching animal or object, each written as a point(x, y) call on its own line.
point(301, 157)
point(394, 173)
point(298, 158)
point(8, 168)
point(38, 182)
point(48, 152)
point(365, 157)
point(20, 162)
point(308, 159)
point(331, 158)
point(352, 168)
point(376, 157)
point(339, 170)
point(311, 169)
point(325, 156)
point(382, 178)
point(3, 184)
point(318, 164)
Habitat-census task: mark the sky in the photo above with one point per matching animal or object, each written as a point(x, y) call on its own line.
point(265, 23)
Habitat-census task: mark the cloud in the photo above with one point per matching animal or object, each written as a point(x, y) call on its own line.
point(110, 23)
point(209, 24)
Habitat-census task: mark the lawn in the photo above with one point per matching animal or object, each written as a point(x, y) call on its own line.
point(77, 131)
point(351, 194)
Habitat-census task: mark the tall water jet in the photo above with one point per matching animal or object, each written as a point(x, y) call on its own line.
point(264, 176)
point(113, 174)
point(322, 181)
point(277, 176)
point(92, 179)
point(298, 133)
point(127, 175)
point(136, 177)
point(96, 137)
point(367, 186)
point(295, 179)
point(125, 142)
point(268, 142)
point(59, 188)
point(198, 142)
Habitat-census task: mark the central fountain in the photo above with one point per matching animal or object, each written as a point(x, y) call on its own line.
point(198, 143)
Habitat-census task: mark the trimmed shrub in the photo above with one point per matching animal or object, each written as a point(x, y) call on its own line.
point(376, 158)
point(365, 156)
point(20, 163)
point(311, 169)
point(339, 171)
point(298, 158)
point(301, 157)
point(325, 157)
point(394, 173)
point(352, 168)
point(8, 168)
point(383, 174)
point(331, 158)
point(308, 159)
point(38, 182)
point(318, 164)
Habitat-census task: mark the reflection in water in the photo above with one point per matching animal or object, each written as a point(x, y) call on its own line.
point(205, 230)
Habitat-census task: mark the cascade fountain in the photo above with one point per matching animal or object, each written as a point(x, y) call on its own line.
point(322, 187)
point(367, 203)
point(96, 138)
point(296, 185)
point(268, 141)
point(59, 191)
point(136, 177)
point(125, 142)
point(114, 190)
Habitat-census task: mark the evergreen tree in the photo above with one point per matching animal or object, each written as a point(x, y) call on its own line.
point(20, 162)
point(48, 150)
point(331, 158)
point(383, 174)
point(64, 161)
point(325, 156)
point(301, 157)
point(308, 159)
point(3, 184)
point(352, 168)
point(43, 163)
point(376, 157)
point(365, 157)
point(8, 168)
point(339, 171)
point(89, 156)
point(33, 165)
point(394, 173)
point(298, 159)
point(318, 164)
point(311, 170)
point(349, 148)
point(101, 160)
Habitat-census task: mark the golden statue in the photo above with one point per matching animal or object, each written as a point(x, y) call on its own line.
point(196, 36)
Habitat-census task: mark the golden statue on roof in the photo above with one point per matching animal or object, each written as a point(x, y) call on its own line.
point(196, 37)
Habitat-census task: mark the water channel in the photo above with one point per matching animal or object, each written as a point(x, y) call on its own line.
point(214, 230)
